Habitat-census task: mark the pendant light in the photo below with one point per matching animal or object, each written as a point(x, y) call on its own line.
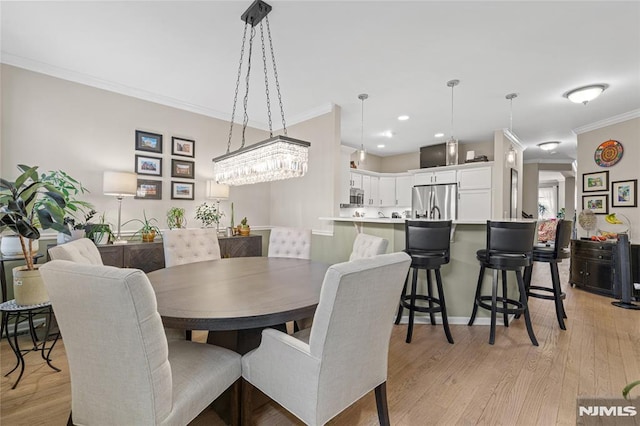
point(362, 153)
point(277, 158)
point(452, 143)
point(510, 156)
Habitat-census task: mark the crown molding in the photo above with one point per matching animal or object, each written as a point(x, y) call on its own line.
point(608, 121)
point(514, 139)
point(89, 80)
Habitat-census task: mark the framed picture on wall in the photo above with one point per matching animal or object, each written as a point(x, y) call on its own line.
point(599, 204)
point(149, 190)
point(598, 181)
point(183, 147)
point(148, 165)
point(146, 141)
point(182, 169)
point(182, 190)
point(624, 193)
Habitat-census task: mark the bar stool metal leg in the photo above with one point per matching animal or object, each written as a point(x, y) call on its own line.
point(432, 317)
point(476, 298)
point(412, 309)
point(505, 315)
point(443, 306)
point(494, 304)
point(404, 292)
point(525, 305)
point(557, 295)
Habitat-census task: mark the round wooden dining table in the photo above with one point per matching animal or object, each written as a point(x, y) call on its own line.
point(236, 298)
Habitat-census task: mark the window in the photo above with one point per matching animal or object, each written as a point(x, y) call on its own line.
point(547, 202)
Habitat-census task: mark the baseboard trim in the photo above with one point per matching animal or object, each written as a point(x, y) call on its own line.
point(424, 319)
point(23, 327)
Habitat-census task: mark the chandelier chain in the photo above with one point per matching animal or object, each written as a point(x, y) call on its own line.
point(246, 93)
point(266, 80)
point(275, 75)
point(235, 96)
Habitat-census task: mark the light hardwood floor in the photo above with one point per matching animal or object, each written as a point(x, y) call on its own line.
point(431, 381)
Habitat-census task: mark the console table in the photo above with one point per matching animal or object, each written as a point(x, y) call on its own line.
point(150, 256)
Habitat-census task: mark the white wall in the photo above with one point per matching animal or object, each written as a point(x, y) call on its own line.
point(57, 124)
point(627, 133)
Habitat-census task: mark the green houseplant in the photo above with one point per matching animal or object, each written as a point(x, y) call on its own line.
point(244, 228)
point(148, 229)
point(99, 232)
point(27, 205)
point(208, 214)
point(176, 218)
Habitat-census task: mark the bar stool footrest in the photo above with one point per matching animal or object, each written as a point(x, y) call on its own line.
point(518, 309)
point(563, 295)
point(423, 309)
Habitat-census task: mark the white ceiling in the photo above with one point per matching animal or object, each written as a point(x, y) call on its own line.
point(402, 54)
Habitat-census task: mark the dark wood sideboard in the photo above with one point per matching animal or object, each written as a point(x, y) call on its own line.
point(594, 267)
point(150, 256)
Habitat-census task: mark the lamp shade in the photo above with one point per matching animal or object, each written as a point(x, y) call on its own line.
point(120, 184)
point(217, 191)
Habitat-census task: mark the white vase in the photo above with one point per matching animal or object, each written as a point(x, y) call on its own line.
point(10, 246)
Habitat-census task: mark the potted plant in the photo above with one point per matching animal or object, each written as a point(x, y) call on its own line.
point(175, 218)
point(148, 230)
point(74, 208)
point(244, 228)
point(99, 232)
point(27, 205)
point(208, 215)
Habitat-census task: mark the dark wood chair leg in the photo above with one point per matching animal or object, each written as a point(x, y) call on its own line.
point(400, 307)
point(557, 294)
point(381, 404)
point(188, 335)
point(494, 304)
point(523, 300)
point(432, 316)
point(234, 402)
point(477, 296)
point(505, 315)
point(412, 310)
point(70, 420)
point(246, 414)
point(443, 307)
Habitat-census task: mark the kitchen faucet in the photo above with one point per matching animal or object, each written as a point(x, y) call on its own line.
point(431, 212)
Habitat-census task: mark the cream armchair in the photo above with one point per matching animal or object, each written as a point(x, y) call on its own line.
point(318, 372)
point(82, 250)
point(182, 246)
point(366, 245)
point(123, 371)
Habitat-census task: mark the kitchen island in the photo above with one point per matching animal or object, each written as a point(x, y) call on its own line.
point(459, 276)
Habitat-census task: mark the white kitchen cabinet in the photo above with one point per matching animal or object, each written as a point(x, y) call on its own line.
point(387, 191)
point(474, 204)
point(475, 178)
point(404, 185)
point(370, 187)
point(431, 178)
point(355, 180)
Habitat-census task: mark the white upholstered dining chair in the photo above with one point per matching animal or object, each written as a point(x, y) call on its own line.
point(290, 242)
point(182, 246)
point(366, 245)
point(82, 250)
point(318, 372)
point(123, 370)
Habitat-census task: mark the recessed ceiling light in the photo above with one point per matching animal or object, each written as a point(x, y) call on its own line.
point(585, 94)
point(381, 146)
point(388, 134)
point(403, 117)
point(438, 135)
point(548, 146)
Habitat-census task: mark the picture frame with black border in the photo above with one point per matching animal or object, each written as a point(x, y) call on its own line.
point(148, 189)
point(145, 165)
point(146, 141)
point(595, 182)
point(183, 147)
point(182, 169)
point(182, 190)
point(624, 193)
point(597, 203)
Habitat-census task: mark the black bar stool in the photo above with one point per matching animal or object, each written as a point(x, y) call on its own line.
point(509, 248)
point(552, 256)
point(428, 243)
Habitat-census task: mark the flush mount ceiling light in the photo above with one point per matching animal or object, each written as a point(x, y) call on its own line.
point(362, 154)
point(381, 146)
point(510, 156)
point(585, 94)
point(548, 146)
point(277, 158)
point(438, 135)
point(452, 143)
point(403, 117)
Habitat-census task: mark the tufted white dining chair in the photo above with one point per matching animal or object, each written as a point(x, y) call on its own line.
point(82, 250)
point(127, 373)
point(366, 245)
point(290, 242)
point(182, 246)
point(318, 372)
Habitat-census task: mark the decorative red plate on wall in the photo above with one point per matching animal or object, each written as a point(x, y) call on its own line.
point(608, 153)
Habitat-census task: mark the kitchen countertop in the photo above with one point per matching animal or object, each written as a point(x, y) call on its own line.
point(393, 221)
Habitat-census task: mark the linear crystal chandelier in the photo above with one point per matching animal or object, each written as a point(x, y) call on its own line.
point(277, 158)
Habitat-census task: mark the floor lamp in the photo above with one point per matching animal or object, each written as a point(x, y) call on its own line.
point(217, 191)
point(120, 185)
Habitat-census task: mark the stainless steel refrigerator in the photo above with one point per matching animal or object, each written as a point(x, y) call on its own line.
point(435, 202)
